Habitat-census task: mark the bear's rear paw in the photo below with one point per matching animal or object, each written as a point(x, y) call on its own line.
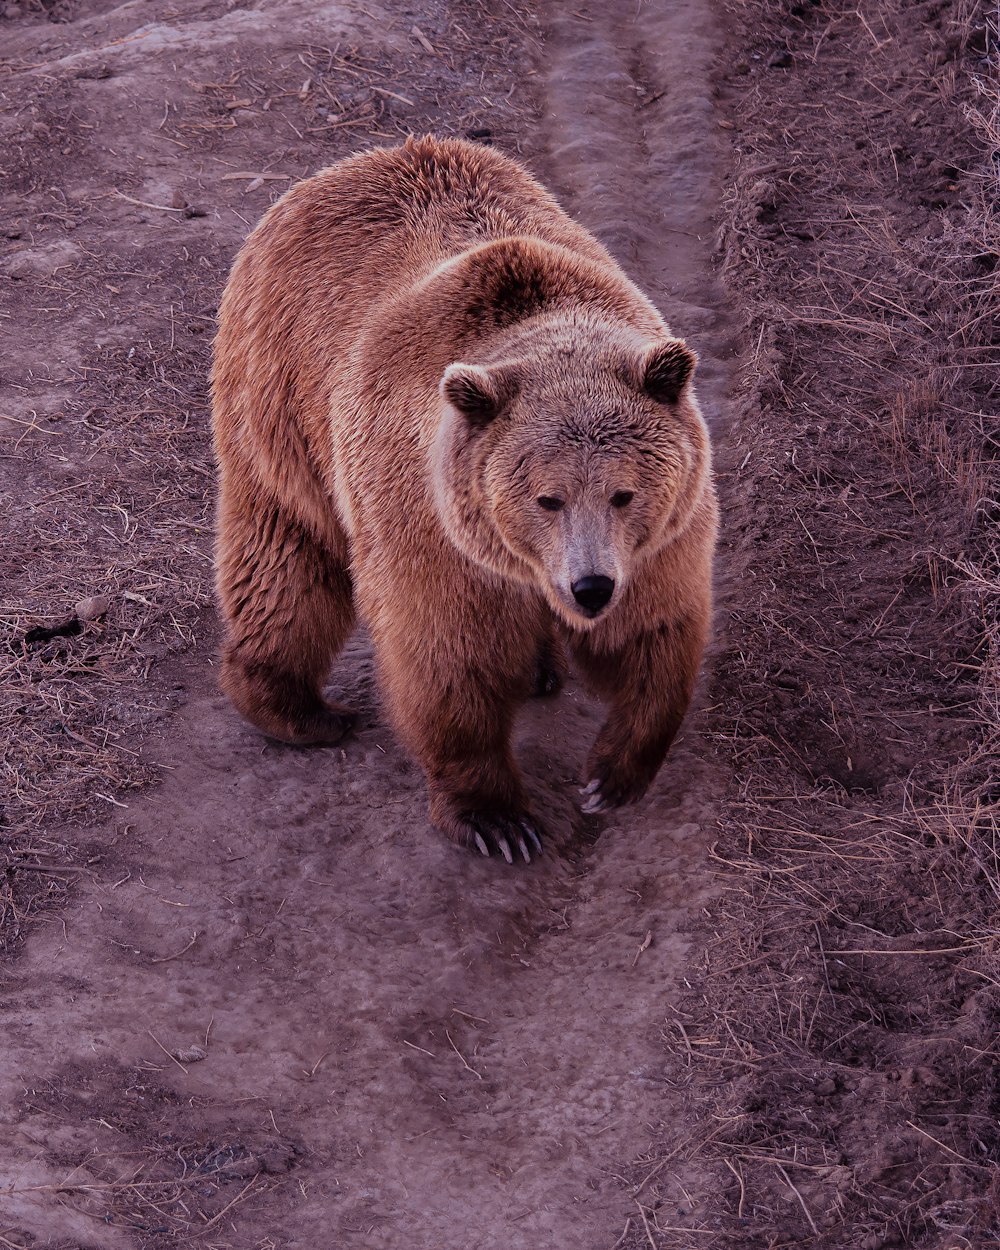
point(320, 727)
point(493, 832)
point(283, 705)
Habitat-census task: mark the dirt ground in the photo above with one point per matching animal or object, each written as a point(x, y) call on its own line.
point(249, 998)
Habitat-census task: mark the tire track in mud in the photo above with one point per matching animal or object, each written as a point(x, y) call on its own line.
point(634, 89)
point(463, 1054)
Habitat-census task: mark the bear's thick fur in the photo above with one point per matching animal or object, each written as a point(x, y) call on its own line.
point(439, 403)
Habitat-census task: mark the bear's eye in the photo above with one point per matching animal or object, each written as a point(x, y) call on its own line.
point(621, 498)
point(550, 503)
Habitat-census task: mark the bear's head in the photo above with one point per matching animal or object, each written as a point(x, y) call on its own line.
point(566, 466)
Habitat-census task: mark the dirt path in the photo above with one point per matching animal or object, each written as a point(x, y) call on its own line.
point(376, 1040)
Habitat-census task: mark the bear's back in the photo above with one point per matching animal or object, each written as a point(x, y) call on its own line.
point(387, 216)
point(362, 283)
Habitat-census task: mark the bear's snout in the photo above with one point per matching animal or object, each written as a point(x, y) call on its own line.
point(593, 593)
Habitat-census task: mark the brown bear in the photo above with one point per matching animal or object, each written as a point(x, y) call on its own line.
point(440, 404)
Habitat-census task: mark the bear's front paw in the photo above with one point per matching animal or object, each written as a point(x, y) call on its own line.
point(492, 832)
point(610, 787)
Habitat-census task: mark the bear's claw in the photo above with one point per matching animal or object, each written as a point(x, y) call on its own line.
point(596, 803)
point(602, 794)
point(532, 833)
point(493, 834)
point(594, 800)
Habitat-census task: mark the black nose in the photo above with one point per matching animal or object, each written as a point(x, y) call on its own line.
point(593, 593)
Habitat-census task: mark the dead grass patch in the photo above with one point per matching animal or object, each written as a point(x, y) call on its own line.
point(840, 1046)
point(156, 1169)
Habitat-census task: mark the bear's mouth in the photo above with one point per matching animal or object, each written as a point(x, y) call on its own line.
point(591, 618)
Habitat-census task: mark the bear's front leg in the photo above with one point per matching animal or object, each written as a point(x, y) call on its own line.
point(455, 714)
point(649, 681)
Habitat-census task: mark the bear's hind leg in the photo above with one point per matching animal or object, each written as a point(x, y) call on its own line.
point(287, 600)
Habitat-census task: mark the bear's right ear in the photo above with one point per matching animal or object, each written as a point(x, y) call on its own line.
point(479, 394)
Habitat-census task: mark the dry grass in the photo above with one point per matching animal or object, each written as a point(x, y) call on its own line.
point(74, 708)
point(841, 1049)
point(184, 1191)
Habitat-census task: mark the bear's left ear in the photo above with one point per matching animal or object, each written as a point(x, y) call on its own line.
point(667, 369)
point(479, 394)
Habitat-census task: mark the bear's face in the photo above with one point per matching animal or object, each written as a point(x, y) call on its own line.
point(580, 471)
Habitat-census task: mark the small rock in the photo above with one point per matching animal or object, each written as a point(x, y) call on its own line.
point(278, 1157)
point(764, 195)
point(103, 70)
point(191, 1054)
point(92, 608)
